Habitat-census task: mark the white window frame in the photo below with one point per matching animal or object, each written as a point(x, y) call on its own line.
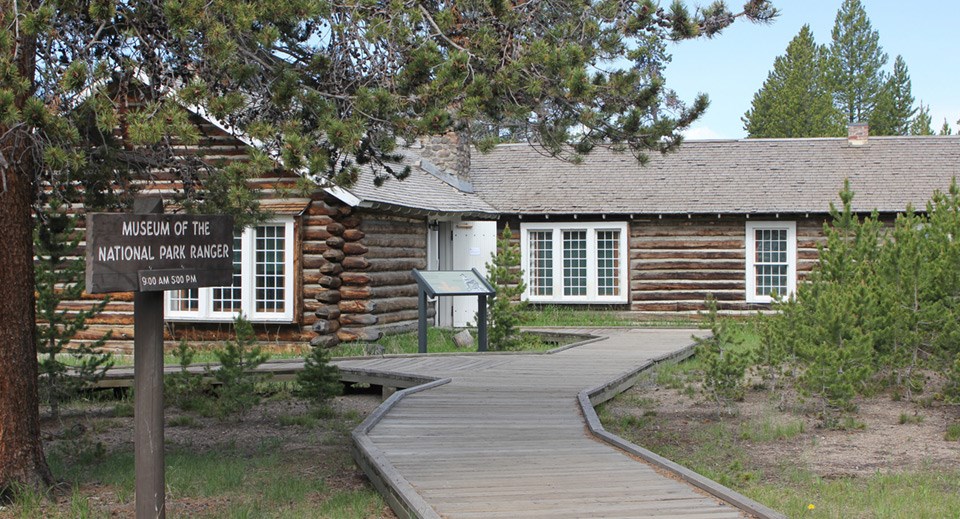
point(751, 254)
point(591, 229)
point(248, 290)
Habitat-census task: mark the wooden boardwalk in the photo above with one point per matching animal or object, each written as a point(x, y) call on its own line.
point(508, 437)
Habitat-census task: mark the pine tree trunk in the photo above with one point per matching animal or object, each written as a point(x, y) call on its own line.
point(21, 451)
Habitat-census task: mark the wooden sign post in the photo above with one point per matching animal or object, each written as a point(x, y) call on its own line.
point(148, 252)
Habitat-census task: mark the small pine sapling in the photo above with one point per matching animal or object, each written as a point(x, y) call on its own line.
point(724, 366)
point(504, 309)
point(59, 277)
point(183, 388)
point(319, 380)
point(237, 392)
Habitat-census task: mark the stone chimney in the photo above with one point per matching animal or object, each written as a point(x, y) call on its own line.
point(857, 134)
point(450, 153)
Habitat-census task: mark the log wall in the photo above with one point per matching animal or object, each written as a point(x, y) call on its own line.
point(676, 262)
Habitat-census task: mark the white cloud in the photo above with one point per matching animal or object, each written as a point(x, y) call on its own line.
point(700, 133)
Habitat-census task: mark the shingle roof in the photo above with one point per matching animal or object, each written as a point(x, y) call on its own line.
point(421, 191)
point(708, 177)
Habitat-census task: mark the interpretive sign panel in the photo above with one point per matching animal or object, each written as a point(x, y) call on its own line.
point(151, 252)
point(453, 282)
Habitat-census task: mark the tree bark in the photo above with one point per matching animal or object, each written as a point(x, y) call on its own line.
point(21, 451)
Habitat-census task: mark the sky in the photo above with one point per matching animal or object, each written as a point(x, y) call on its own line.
point(733, 66)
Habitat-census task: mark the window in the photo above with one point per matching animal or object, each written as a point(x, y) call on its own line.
point(574, 262)
point(262, 287)
point(771, 260)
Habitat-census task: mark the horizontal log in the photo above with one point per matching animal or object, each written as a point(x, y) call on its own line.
point(696, 306)
point(379, 279)
point(678, 295)
point(392, 240)
point(335, 242)
point(325, 341)
point(397, 252)
point(331, 269)
point(332, 282)
point(353, 234)
point(354, 249)
point(358, 307)
point(356, 292)
point(335, 228)
point(734, 243)
point(328, 312)
point(356, 263)
point(355, 278)
point(358, 319)
point(642, 254)
point(657, 285)
point(688, 265)
point(395, 304)
point(383, 265)
point(321, 209)
point(329, 297)
point(392, 291)
point(316, 234)
point(641, 275)
point(333, 255)
point(411, 227)
point(324, 327)
point(398, 317)
point(313, 261)
point(688, 230)
point(344, 210)
point(350, 222)
point(359, 334)
point(315, 247)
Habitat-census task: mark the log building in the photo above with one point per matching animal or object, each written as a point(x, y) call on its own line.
point(737, 219)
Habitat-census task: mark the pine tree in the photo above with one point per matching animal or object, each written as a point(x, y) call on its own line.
point(946, 129)
point(894, 107)
point(505, 275)
point(856, 62)
point(319, 380)
point(795, 100)
point(326, 87)
point(59, 277)
point(922, 123)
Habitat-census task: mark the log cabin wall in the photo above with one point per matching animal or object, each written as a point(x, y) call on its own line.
point(364, 287)
point(677, 261)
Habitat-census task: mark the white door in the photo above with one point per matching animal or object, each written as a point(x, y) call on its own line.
point(474, 243)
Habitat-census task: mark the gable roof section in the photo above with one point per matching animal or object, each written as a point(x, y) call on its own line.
point(422, 191)
point(749, 176)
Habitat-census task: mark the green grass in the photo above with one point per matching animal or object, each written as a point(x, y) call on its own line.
point(439, 340)
point(560, 315)
point(953, 432)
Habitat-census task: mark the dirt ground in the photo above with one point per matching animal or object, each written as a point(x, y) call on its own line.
point(878, 443)
point(321, 449)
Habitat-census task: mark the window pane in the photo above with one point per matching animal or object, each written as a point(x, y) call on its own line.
point(771, 262)
point(574, 263)
point(227, 299)
point(608, 263)
point(269, 273)
point(187, 300)
point(541, 263)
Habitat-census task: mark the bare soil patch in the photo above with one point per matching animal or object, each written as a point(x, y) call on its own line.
point(886, 436)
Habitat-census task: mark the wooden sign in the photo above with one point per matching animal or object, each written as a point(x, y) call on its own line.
point(153, 252)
